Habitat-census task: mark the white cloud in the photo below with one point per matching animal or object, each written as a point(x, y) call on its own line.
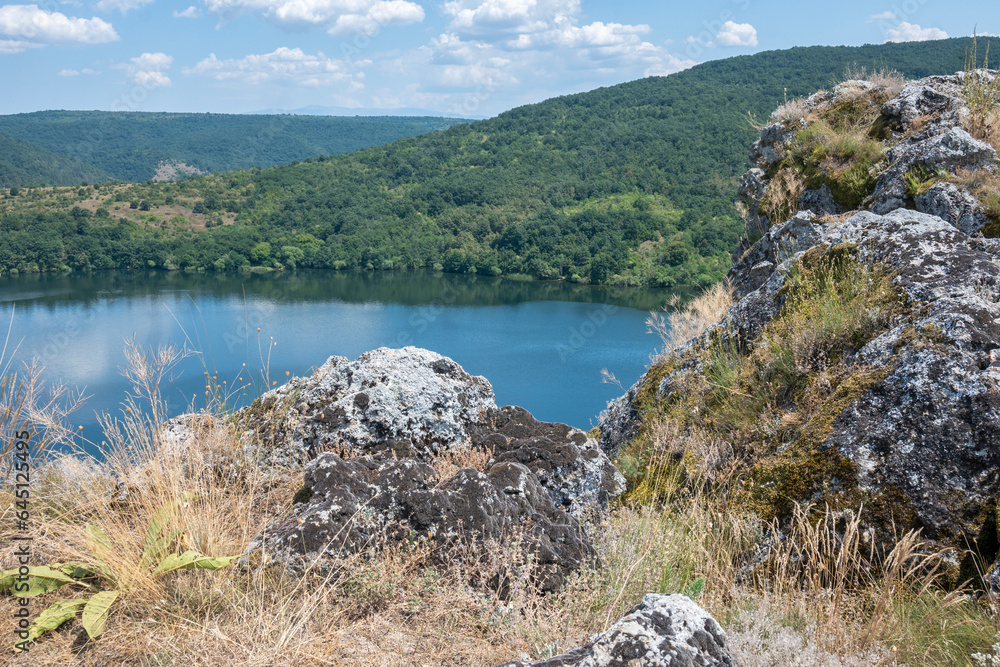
point(16, 46)
point(908, 32)
point(191, 12)
point(73, 72)
point(884, 16)
point(148, 70)
point(669, 65)
point(28, 22)
point(121, 5)
point(337, 16)
point(378, 16)
point(282, 65)
point(737, 34)
point(495, 17)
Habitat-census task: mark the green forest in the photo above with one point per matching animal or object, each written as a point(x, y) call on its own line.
point(129, 146)
point(22, 162)
point(632, 184)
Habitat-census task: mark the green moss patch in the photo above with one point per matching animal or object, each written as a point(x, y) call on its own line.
point(753, 421)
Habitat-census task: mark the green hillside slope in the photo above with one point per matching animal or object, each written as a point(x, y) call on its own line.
point(630, 184)
point(24, 163)
point(131, 145)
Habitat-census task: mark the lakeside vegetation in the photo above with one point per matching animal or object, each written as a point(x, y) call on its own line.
point(632, 185)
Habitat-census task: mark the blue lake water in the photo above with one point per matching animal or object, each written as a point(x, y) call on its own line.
point(541, 345)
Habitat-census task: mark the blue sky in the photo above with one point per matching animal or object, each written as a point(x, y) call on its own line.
point(462, 57)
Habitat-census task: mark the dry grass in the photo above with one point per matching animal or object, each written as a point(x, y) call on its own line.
point(819, 597)
point(690, 321)
point(447, 463)
point(887, 82)
point(981, 90)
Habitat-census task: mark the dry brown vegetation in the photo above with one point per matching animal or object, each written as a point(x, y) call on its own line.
point(818, 596)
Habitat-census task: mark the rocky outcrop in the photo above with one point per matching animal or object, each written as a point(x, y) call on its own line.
point(410, 403)
point(911, 431)
point(403, 403)
point(950, 151)
point(662, 631)
point(404, 443)
point(349, 505)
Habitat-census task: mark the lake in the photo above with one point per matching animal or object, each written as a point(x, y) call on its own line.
point(541, 345)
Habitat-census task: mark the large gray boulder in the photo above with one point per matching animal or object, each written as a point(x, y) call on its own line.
point(662, 631)
point(383, 440)
point(411, 403)
point(350, 505)
point(407, 403)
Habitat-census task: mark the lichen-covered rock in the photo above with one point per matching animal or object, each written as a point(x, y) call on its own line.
point(778, 245)
point(953, 205)
point(348, 505)
point(767, 150)
point(950, 151)
point(920, 445)
point(407, 403)
point(416, 404)
point(662, 631)
point(820, 201)
point(937, 98)
point(570, 466)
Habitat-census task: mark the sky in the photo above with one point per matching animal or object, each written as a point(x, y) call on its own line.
point(472, 58)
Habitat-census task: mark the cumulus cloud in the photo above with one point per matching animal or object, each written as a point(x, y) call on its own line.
point(191, 12)
point(28, 22)
point(492, 17)
point(337, 16)
point(73, 72)
point(737, 34)
point(281, 65)
point(121, 5)
point(908, 32)
point(884, 16)
point(669, 65)
point(149, 69)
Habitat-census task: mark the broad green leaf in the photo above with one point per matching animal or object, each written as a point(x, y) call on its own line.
point(695, 588)
point(156, 549)
point(192, 559)
point(95, 613)
point(81, 570)
point(41, 580)
point(157, 544)
point(96, 537)
point(54, 616)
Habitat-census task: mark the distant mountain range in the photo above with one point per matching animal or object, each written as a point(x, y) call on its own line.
point(316, 110)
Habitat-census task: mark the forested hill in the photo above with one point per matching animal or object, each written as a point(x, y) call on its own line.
point(131, 145)
point(22, 162)
point(630, 184)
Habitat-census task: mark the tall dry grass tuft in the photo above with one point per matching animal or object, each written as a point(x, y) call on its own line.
point(690, 321)
point(981, 90)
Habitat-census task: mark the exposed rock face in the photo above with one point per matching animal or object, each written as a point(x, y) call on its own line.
point(372, 431)
point(918, 443)
point(662, 631)
point(407, 403)
point(950, 151)
point(953, 205)
point(569, 465)
point(354, 504)
point(416, 404)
